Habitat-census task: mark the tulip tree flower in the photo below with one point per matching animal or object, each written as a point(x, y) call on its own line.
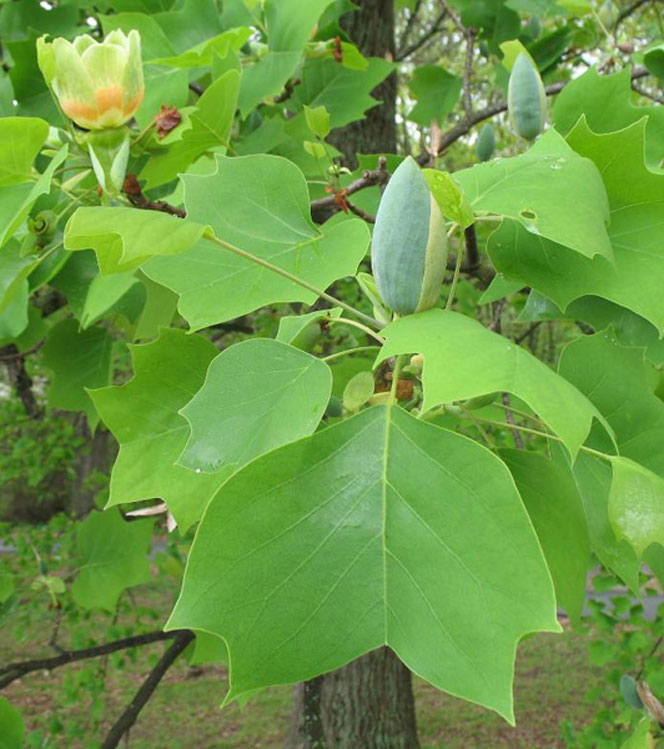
point(99, 85)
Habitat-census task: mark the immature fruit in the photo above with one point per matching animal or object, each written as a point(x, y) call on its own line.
point(608, 14)
point(526, 99)
point(409, 248)
point(486, 143)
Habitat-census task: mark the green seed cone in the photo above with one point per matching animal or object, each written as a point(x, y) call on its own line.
point(486, 143)
point(409, 249)
point(526, 98)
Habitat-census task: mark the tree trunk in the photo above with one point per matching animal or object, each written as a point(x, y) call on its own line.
point(371, 27)
point(365, 705)
point(98, 457)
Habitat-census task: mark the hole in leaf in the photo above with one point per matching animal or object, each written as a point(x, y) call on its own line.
point(530, 215)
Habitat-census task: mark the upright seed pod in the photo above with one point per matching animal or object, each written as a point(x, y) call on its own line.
point(486, 143)
point(409, 248)
point(526, 98)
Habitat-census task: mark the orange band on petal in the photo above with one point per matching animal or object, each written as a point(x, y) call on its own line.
point(109, 98)
point(77, 110)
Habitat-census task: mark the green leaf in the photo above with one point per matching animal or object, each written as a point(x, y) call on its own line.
point(535, 188)
point(629, 692)
point(211, 124)
point(289, 23)
point(450, 197)
point(593, 477)
point(294, 329)
point(14, 269)
point(653, 59)
point(12, 727)
point(203, 53)
point(615, 379)
point(112, 556)
point(630, 329)
point(318, 120)
point(123, 238)
point(16, 200)
point(6, 586)
point(79, 360)
point(20, 141)
point(143, 417)
point(158, 311)
point(278, 395)
point(14, 318)
point(436, 91)
point(554, 504)
point(463, 359)
point(359, 389)
point(104, 293)
point(344, 92)
point(34, 98)
point(635, 277)
point(344, 526)
point(261, 205)
point(636, 504)
point(606, 103)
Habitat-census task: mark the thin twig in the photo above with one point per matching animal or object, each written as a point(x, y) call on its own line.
point(525, 335)
point(472, 251)
point(359, 212)
point(133, 191)
point(370, 178)
point(145, 691)
point(468, 72)
point(466, 125)
point(20, 354)
point(426, 37)
point(14, 671)
point(628, 11)
point(652, 652)
point(509, 418)
point(648, 95)
point(410, 23)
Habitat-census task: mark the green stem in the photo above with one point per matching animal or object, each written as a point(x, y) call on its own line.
point(356, 350)
point(516, 411)
point(480, 428)
point(548, 435)
point(455, 277)
point(295, 279)
point(358, 325)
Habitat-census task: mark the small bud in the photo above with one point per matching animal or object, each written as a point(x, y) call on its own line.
point(417, 362)
point(43, 224)
point(99, 85)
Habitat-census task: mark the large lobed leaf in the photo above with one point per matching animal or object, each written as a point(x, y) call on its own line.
point(257, 395)
point(636, 197)
point(143, 416)
point(123, 238)
point(261, 205)
point(112, 556)
point(380, 530)
point(550, 190)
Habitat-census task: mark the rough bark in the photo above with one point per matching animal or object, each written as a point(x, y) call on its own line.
point(371, 27)
point(368, 703)
point(97, 458)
